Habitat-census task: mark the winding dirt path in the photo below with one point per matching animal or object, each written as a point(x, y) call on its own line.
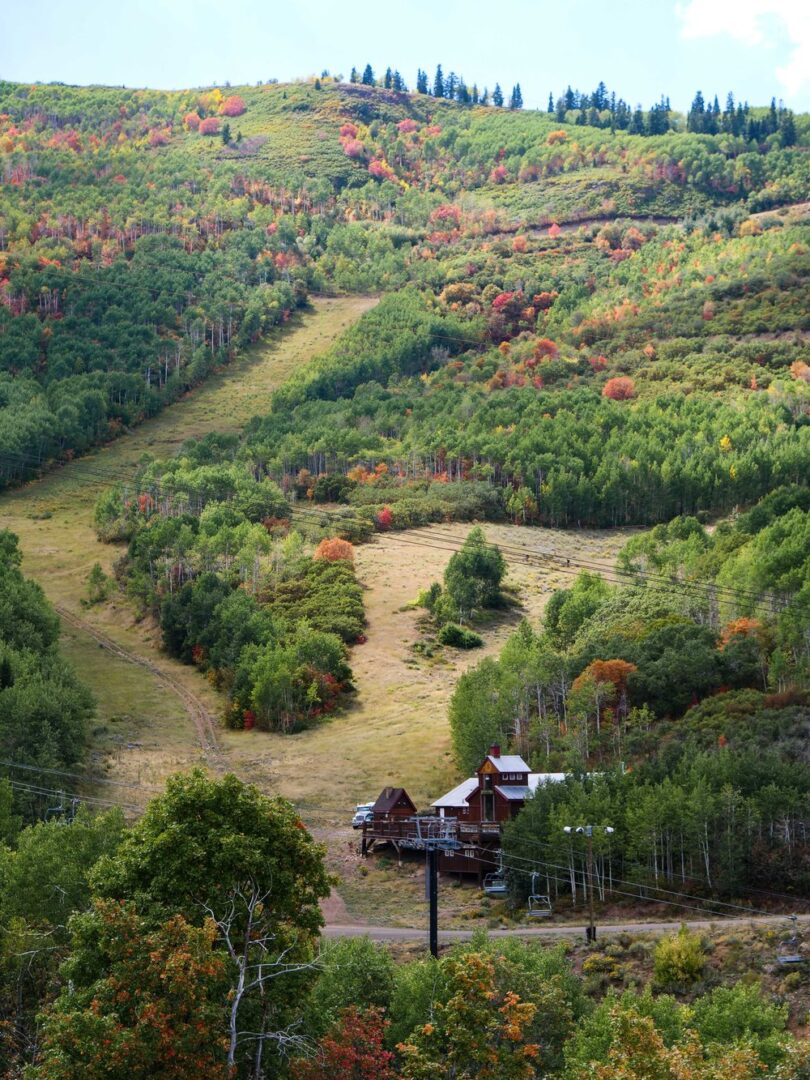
point(162, 717)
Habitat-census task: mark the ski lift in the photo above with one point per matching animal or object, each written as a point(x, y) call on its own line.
point(788, 954)
point(56, 811)
point(495, 885)
point(539, 905)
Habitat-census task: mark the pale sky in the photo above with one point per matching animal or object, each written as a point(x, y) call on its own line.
point(640, 48)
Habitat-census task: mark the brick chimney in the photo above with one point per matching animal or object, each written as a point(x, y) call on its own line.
point(495, 750)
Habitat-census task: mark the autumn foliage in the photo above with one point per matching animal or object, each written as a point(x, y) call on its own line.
point(335, 550)
point(615, 672)
point(546, 349)
point(232, 106)
point(742, 627)
point(481, 1031)
point(209, 126)
point(192, 121)
point(622, 388)
point(353, 1049)
point(385, 519)
point(154, 1010)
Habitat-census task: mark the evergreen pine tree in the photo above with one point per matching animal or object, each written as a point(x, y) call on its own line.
point(474, 94)
point(368, 76)
point(388, 79)
point(438, 83)
point(226, 134)
point(695, 120)
point(516, 97)
point(787, 129)
point(421, 82)
point(550, 103)
point(773, 119)
point(497, 96)
point(570, 99)
point(354, 77)
point(637, 123)
point(485, 97)
point(450, 86)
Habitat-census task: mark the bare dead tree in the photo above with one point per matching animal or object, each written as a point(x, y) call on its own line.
point(259, 956)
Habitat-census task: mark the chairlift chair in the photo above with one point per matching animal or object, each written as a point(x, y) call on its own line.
point(539, 905)
point(788, 953)
point(495, 884)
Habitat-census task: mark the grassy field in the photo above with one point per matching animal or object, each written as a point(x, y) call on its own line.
point(395, 731)
point(143, 731)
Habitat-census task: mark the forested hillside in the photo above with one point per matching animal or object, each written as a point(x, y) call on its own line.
point(145, 236)
point(590, 316)
point(584, 327)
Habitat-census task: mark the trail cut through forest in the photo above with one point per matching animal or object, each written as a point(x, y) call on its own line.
point(149, 732)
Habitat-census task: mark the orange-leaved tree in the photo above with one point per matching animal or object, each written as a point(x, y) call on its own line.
point(335, 550)
point(622, 388)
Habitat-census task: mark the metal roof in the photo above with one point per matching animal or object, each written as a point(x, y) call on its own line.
point(458, 796)
point(539, 779)
point(509, 763)
point(514, 794)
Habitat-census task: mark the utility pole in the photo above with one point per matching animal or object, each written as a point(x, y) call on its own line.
point(587, 832)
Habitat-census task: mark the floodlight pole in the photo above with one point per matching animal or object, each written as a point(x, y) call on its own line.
point(587, 832)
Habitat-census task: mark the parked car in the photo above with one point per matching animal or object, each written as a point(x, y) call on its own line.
point(362, 814)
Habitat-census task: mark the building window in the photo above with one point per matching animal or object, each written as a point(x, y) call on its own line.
point(488, 806)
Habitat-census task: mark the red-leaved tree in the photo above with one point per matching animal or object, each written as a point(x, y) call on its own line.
point(209, 126)
point(385, 519)
point(353, 1050)
point(622, 388)
point(232, 106)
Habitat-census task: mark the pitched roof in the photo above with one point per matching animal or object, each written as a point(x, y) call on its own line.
point(458, 796)
point(508, 763)
point(388, 799)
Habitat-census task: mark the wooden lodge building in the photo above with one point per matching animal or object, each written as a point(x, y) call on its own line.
point(470, 817)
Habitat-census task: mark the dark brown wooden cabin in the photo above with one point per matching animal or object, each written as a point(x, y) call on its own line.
point(391, 822)
point(393, 802)
point(499, 794)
